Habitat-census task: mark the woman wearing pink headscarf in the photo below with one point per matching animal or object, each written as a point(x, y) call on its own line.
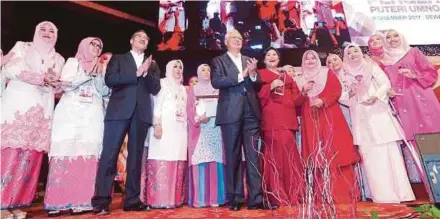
point(27, 107)
point(412, 77)
point(167, 147)
point(78, 127)
point(205, 144)
point(376, 46)
point(375, 130)
point(327, 144)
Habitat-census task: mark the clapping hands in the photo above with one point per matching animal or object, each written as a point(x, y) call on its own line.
point(142, 71)
point(250, 68)
point(52, 79)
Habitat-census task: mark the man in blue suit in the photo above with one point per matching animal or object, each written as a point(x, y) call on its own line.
point(238, 114)
point(132, 77)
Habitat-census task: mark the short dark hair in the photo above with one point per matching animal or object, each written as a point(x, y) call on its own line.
point(139, 31)
point(272, 48)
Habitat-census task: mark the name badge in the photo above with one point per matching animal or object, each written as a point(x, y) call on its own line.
point(86, 94)
point(180, 116)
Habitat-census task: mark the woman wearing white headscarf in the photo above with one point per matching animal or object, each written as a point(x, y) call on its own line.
point(167, 148)
point(375, 130)
point(26, 120)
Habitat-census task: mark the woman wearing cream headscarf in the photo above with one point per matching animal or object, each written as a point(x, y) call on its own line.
point(78, 127)
point(375, 130)
point(27, 107)
point(167, 148)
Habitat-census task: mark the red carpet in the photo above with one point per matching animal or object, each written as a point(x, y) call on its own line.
point(364, 210)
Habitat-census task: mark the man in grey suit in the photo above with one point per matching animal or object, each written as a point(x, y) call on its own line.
point(238, 114)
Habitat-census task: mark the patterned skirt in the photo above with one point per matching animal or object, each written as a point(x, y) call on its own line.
point(20, 170)
point(71, 183)
point(166, 184)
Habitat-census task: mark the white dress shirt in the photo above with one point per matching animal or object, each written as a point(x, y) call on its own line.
point(138, 58)
point(239, 64)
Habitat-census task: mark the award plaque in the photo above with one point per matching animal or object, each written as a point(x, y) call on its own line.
point(280, 90)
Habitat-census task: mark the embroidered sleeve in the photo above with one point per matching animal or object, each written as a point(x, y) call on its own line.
point(16, 69)
point(31, 77)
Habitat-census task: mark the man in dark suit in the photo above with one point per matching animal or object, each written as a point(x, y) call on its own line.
point(238, 114)
point(132, 77)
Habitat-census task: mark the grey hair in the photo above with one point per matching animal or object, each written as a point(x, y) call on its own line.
point(229, 32)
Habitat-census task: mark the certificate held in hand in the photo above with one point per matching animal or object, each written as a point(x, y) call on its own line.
point(207, 105)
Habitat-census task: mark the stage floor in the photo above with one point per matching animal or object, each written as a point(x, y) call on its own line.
point(363, 210)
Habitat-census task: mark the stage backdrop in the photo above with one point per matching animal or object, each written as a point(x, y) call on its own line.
point(416, 19)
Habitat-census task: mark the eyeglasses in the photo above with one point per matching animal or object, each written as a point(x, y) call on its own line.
point(96, 45)
point(236, 38)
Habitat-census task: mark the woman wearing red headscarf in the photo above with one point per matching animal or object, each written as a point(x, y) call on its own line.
point(282, 169)
point(327, 145)
point(27, 106)
point(78, 127)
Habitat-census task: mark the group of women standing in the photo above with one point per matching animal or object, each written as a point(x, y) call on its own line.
point(350, 103)
point(186, 159)
point(71, 134)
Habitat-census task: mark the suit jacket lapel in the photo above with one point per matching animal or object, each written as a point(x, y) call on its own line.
point(132, 61)
point(243, 62)
point(231, 63)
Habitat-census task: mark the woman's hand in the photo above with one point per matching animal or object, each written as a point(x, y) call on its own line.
point(158, 131)
point(318, 103)
point(370, 101)
point(276, 83)
point(307, 87)
point(392, 93)
point(203, 118)
point(407, 73)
